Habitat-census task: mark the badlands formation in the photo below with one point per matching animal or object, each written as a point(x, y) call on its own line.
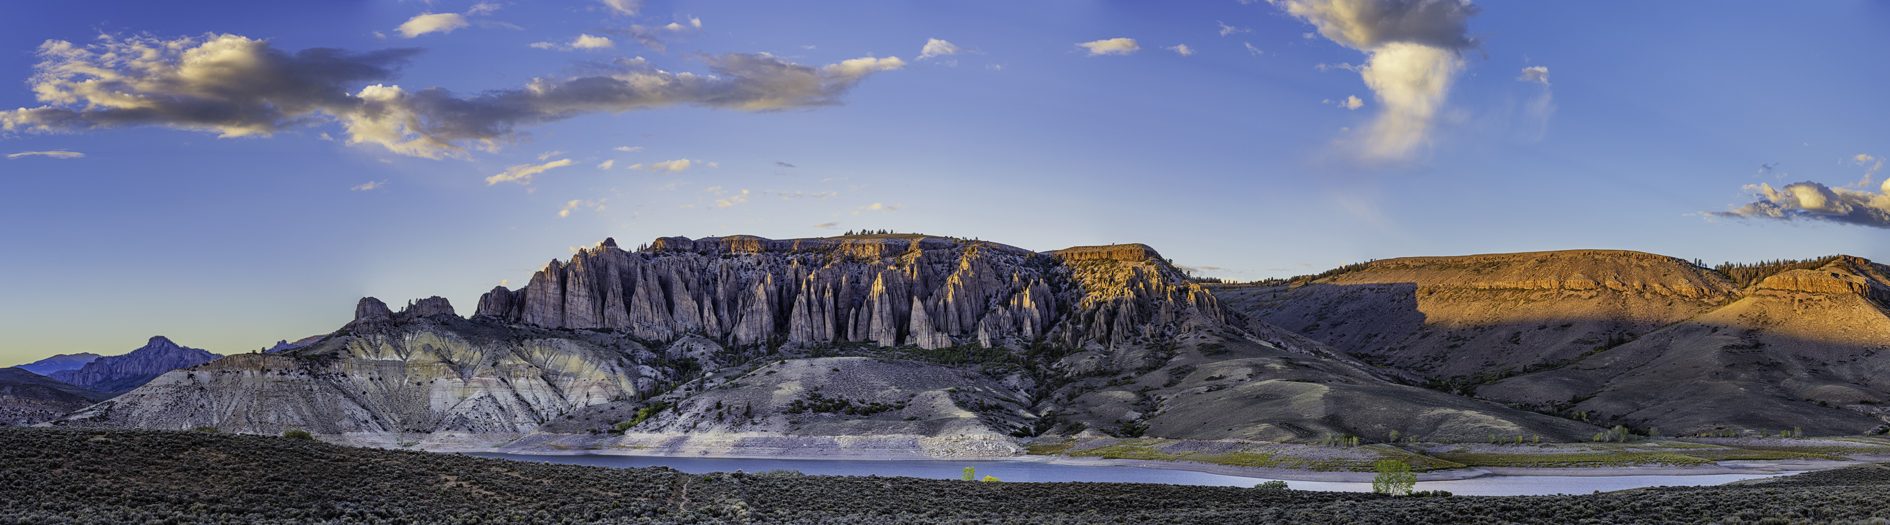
point(901, 345)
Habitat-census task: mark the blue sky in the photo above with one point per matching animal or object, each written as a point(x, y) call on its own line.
point(146, 197)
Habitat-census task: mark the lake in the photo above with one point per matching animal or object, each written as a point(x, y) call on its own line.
point(1035, 471)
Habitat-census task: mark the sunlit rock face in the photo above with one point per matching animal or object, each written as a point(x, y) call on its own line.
point(929, 292)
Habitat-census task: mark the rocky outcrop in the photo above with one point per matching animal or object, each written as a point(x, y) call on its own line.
point(930, 292)
point(121, 373)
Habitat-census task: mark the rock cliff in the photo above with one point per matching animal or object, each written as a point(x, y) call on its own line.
point(937, 345)
point(121, 373)
point(930, 292)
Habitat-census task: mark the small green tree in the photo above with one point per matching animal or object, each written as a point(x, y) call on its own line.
point(970, 474)
point(1394, 478)
point(298, 434)
point(1271, 485)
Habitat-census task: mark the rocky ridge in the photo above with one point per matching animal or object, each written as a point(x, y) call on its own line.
point(669, 339)
point(27, 398)
point(122, 373)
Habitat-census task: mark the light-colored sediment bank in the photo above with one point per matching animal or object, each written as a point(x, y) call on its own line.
point(982, 448)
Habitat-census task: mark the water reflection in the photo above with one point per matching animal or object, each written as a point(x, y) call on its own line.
point(1015, 471)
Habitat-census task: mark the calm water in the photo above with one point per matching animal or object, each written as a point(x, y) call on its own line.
point(1034, 471)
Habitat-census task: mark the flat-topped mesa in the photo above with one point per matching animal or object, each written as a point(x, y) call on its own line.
point(1133, 252)
point(1570, 270)
point(887, 289)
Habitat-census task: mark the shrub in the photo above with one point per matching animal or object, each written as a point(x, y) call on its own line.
point(1271, 485)
point(1394, 478)
point(969, 474)
point(212, 430)
point(990, 478)
point(298, 434)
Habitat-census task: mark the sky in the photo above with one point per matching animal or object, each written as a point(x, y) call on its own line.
point(231, 174)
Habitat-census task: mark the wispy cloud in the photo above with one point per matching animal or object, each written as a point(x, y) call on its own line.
point(732, 200)
point(1349, 102)
point(827, 225)
point(596, 205)
point(1254, 50)
point(622, 7)
point(57, 154)
point(935, 48)
point(523, 173)
point(1541, 107)
point(818, 195)
point(1113, 46)
point(431, 23)
point(606, 164)
point(581, 43)
point(657, 38)
point(1414, 50)
point(783, 164)
point(237, 86)
point(370, 185)
point(1182, 49)
point(1229, 30)
point(876, 207)
point(1537, 74)
point(628, 148)
point(668, 166)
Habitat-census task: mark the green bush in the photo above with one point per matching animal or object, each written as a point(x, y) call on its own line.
point(212, 430)
point(298, 434)
point(1394, 478)
point(1271, 485)
point(970, 474)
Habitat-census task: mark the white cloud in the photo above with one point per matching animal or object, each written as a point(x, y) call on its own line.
point(623, 7)
point(549, 154)
point(657, 38)
point(431, 23)
point(668, 166)
point(582, 42)
point(876, 207)
point(236, 86)
point(57, 154)
point(370, 185)
point(482, 8)
point(1250, 49)
point(523, 173)
point(628, 148)
point(732, 200)
point(596, 205)
point(607, 164)
point(827, 225)
point(1537, 74)
point(818, 195)
point(1350, 102)
point(1183, 49)
point(1113, 46)
point(1229, 30)
point(1414, 53)
point(935, 47)
point(1817, 202)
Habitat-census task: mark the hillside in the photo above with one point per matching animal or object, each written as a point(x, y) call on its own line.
point(27, 398)
point(921, 337)
point(1612, 337)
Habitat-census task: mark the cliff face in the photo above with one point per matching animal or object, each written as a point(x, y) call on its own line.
point(121, 373)
point(928, 292)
